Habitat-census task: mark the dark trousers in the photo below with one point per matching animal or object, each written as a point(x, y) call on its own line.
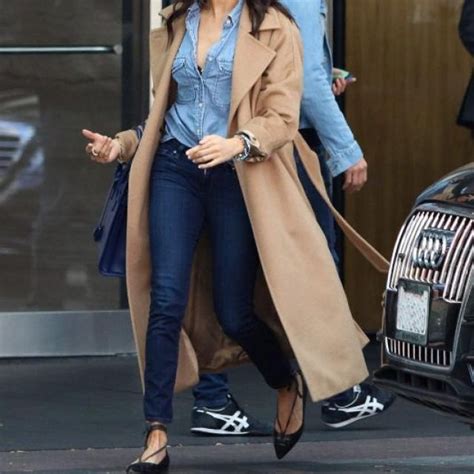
point(320, 208)
point(211, 391)
point(184, 199)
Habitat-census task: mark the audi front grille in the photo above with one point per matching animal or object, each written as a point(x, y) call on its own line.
point(417, 353)
point(433, 247)
point(451, 271)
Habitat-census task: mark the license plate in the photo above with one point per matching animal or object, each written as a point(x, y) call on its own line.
point(413, 308)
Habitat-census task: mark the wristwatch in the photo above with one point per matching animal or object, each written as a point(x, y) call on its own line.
point(242, 156)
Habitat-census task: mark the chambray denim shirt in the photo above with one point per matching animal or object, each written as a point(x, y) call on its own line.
point(319, 109)
point(202, 99)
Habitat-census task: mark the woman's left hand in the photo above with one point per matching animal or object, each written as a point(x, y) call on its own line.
point(214, 150)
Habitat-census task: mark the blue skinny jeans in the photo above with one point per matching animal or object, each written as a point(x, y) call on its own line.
point(183, 200)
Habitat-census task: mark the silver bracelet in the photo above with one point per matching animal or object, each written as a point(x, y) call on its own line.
point(120, 158)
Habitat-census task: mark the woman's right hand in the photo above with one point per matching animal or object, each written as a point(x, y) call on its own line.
point(101, 148)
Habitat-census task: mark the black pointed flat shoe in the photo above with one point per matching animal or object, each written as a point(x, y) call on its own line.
point(282, 441)
point(150, 467)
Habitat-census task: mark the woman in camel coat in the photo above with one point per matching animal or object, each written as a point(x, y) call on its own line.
point(301, 306)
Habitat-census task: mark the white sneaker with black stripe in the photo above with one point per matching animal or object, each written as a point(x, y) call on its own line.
point(368, 401)
point(230, 420)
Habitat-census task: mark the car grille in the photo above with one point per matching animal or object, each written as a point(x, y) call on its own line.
point(9, 151)
point(453, 273)
point(417, 353)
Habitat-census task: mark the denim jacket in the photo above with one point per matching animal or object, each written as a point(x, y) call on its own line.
point(203, 99)
point(319, 109)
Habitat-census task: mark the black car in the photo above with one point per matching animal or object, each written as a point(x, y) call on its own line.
point(428, 334)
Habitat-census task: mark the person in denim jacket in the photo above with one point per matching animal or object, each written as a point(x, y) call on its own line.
point(325, 128)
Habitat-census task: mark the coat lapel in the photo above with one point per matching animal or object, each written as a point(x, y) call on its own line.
point(162, 54)
point(252, 57)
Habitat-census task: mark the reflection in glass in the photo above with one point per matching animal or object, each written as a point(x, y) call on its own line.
point(51, 195)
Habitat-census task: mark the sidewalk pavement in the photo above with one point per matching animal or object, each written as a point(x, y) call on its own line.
point(412, 455)
point(83, 415)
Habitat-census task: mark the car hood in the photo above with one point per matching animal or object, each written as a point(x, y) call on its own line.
point(456, 187)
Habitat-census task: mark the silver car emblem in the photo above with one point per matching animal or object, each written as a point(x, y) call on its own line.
point(431, 248)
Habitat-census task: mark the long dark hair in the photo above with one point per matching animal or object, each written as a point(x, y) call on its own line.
point(257, 9)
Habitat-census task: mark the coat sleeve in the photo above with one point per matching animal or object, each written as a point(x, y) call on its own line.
point(129, 141)
point(278, 105)
point(466, 25)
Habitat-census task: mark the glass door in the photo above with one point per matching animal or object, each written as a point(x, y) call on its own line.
point(61, 70)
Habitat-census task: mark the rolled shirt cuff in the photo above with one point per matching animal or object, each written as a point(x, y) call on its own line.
point(341, 161)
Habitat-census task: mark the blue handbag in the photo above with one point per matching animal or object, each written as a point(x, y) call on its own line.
point(110, 233)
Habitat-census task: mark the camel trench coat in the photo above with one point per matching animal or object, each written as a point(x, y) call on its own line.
point(298, 293)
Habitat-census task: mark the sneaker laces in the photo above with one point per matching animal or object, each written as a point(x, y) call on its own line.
point(356, 390)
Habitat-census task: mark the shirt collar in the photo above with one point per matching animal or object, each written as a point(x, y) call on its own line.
point(193, 9)
point(233, 16)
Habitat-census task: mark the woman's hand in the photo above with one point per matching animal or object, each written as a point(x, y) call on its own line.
point(101, 148)
point(214, 150)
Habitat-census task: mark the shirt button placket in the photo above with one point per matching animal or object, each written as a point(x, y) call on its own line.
point(201, 117)
point(201, 114)
point(201, 105)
